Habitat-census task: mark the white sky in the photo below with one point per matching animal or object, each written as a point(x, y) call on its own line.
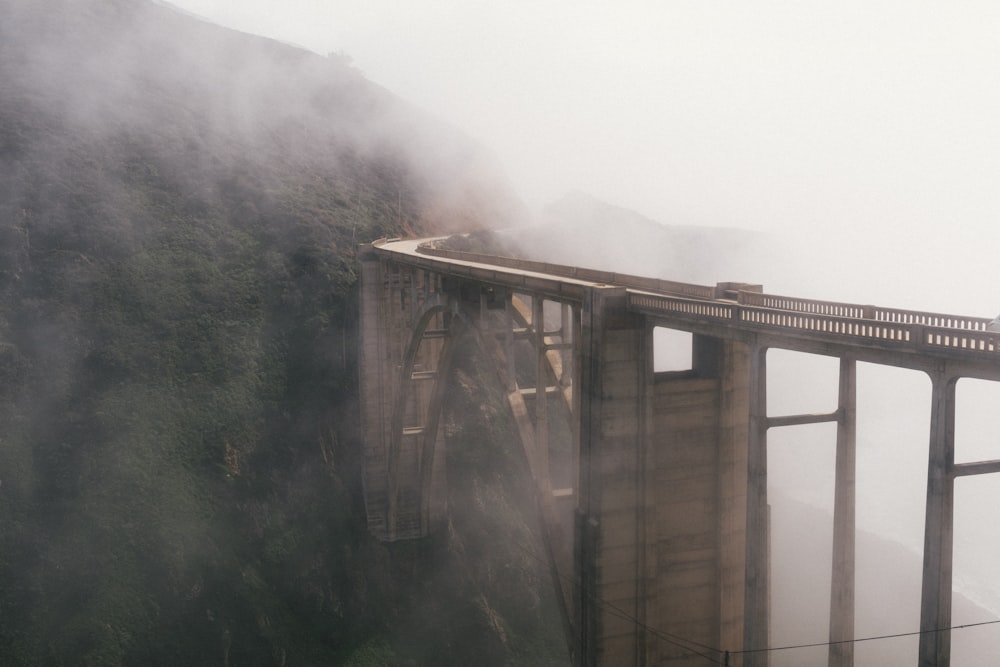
point(869, 125)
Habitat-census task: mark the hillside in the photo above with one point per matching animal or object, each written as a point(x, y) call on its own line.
point(179, 208)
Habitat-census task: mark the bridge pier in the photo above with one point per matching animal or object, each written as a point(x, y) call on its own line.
point(663, 495)
point(841, 651)
point(756, 616)
point(609, 609)
point(936, 593)
point(405, 328)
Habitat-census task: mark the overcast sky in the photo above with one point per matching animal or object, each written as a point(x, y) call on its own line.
point(872, 124)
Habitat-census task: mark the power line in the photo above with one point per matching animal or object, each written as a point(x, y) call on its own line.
point(869, 639)
point(674, 640)
point(687, 644)
point(663, 636)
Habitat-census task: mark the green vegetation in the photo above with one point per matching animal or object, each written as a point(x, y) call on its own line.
point(179, 455)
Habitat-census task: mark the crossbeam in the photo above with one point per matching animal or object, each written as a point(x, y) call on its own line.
point(979, 468)
point(798, 420)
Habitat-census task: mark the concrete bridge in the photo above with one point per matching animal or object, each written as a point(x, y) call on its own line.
point(655, 513)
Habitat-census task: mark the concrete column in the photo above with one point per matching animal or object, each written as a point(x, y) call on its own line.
point(508, 342)
point(733, 443)
point(541, 393)
point(376, 391)
point(610, 540)
point(756, 627)
point(841, 652)
point(935, 606)
point(567, 333)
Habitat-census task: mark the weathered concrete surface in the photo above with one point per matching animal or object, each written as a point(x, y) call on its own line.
point(663, 465)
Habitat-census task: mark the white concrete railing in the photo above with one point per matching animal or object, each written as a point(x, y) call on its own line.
point(799, 305)
point(978, 341)
point(930, 319)
point(899, 329)
point(716, 310)
point(840, 326)
point(853, 310)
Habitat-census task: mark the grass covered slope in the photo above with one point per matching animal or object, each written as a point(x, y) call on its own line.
point(179, 208)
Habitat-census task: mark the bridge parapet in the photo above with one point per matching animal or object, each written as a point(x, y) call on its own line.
point(857, 311)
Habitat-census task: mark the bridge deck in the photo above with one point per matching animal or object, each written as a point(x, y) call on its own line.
point(905, 338)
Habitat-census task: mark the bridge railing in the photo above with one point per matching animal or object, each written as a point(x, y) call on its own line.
point(577, 273)
point(854, 327)
point(719, 311)
point(853, 310)
point(799, 305)
point(931, 319)
point(832, 321)
point(975, 341)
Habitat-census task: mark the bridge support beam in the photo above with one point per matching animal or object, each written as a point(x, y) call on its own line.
point(735, 400)
point(935, 606)
point(404, 336)
point(756, 615)
point(377, 399)
point(841, 653)
point(609, 609)
point(661, 529)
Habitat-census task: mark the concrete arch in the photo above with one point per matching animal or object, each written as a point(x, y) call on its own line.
point(459, 322)
point(557, 537)
point(434, 306)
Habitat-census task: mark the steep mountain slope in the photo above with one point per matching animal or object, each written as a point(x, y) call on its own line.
point(179, 207)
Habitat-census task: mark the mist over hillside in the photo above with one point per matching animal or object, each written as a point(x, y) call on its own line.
point(179, 459)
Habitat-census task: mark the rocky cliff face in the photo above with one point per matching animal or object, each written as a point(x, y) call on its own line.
point(179, 208)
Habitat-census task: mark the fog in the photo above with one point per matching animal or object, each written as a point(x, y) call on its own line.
point(867, 125)
point(861, 137)
point(212, 186)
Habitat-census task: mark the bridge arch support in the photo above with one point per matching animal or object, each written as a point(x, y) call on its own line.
point(410, 321)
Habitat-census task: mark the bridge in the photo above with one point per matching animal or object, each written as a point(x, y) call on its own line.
point(654, 508)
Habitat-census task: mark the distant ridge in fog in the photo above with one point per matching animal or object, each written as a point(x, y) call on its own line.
point(887, 595)
point(581, 229)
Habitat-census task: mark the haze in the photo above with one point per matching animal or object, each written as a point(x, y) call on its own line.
point(870, 125)
point(862, 135)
